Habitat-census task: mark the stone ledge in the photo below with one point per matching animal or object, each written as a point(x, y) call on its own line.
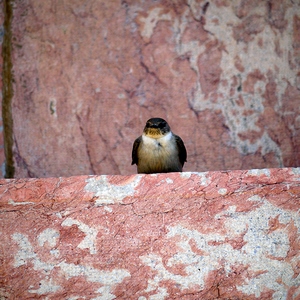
point(232, 234)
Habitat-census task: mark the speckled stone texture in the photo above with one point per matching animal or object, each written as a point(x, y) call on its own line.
point(87, 76)
point(213, 235)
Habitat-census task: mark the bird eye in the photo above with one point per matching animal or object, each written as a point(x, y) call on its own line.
point(162, 124)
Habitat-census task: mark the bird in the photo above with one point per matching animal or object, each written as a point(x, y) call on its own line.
point(158, 149)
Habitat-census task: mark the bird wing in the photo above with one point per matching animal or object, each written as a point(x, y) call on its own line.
point(181, 149)
point(135, 147)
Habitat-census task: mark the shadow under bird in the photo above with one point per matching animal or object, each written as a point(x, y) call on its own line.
point(158, 149)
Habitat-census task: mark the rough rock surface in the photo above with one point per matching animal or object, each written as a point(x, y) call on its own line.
point(213, 235)
point(87, 75)
point(2, 155)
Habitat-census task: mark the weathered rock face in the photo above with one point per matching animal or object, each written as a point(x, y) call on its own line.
point(225, 235)
point(87, 76)
point(2, 155)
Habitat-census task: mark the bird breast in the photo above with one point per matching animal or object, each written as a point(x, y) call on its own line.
point(160, 146)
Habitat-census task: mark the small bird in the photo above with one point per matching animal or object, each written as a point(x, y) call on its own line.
point(158, 149)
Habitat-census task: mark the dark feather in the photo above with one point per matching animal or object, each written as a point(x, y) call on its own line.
point(135, 150)
point(181, 148)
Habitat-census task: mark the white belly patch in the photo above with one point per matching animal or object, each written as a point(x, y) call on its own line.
point(164, 144)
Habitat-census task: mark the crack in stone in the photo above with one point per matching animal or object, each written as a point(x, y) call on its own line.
point(86, 143)
point(21, 161)
point(145, 67)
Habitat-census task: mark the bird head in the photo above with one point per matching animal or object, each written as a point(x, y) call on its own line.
point(156, 128)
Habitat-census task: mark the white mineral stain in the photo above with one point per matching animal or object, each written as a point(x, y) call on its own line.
point(150, 22)
point(222, 191)
point(186, 175)
point(107, 278)
point(108, 193)
point(91, 234)
point(169, 180)
point(205, 180)
point(27, 253)
point(105, 291)
point(50, 236)
point(94, 275)
point(12, 202)
point(121, 96)
point(54, 252)
point(263, 251)
point(58, 215)
point(107, 208)
point(220, 22)
point(296, 171)
point(153, 174)
point(227, 213)
point(235, 116)
point(259, 172)
point(46, 287)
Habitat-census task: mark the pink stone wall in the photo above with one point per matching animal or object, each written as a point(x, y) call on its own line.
point(213, 235)
point(88, 74)
point(2, 155)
